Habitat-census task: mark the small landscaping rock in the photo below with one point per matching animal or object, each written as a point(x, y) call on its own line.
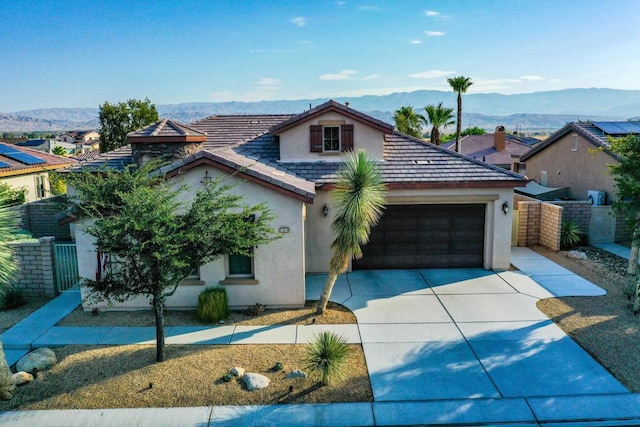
point(236, 371)
point(577, 255)
point(21, 378)
point(296, 374)
point(255, 381)
point(40, 359)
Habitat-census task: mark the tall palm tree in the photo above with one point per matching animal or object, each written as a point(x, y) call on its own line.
point(408, 121)
point(359, 196)
point(440, 117)
point(8, 268)
point(459, 85)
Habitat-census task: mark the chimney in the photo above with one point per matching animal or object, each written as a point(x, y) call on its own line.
point(499, 138)
point(166, 140)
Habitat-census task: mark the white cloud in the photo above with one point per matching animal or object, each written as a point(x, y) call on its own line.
point(371, 77)
point(532, 78)
point(299, 21)
point(431, 74)
point(342, 75)
point(268, 82)
point(431, 13)
point(434, 33)
point(416, 41)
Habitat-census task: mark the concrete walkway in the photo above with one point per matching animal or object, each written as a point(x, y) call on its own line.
point(455, 346)
point(614, 248)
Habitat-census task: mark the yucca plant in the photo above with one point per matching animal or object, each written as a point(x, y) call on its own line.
point(570, 234)
point(326, 356)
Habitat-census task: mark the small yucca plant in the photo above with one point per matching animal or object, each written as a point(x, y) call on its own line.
point(326, 356)
point(213, 305)
point(570, 234)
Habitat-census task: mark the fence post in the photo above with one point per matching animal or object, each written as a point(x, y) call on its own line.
point(48, 265)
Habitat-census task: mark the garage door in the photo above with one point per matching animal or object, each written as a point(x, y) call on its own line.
point(426, 236)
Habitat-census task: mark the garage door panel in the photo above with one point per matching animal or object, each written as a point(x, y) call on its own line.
point(426, 236)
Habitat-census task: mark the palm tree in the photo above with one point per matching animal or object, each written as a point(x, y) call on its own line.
point(359, 196)
point(440, 117)
point(459, 85)
point(408, 121)
point(8, 268)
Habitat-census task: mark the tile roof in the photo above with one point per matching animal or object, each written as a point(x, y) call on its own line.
point(166, 130)
point(587, 130)
point(481, 147)
point(226, 130)
point(15, 167)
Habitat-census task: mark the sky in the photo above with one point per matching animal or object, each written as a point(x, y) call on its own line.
point(81, 53)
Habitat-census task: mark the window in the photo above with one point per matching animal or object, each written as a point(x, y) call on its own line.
point(574, 145)
point(331, 138)
point(40, 189)
point(240, 265)
point(543, 178)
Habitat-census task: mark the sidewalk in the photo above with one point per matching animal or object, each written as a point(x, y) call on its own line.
point(614, 248)
point(443, 346)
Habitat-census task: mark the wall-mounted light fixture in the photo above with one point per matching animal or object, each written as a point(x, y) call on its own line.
point(505, 208)
point(206, 179)
point(325, 210)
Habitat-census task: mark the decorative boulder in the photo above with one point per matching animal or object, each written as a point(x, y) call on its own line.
point(236, 371)
point(577, 255)
point(41, 359)
point(255, 381)
point(21, 378)
point(296, 374)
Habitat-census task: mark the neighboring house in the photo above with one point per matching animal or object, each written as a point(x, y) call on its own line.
point(73, 137)
point(577, 156)
point(47, 145)
point(26, 168)
point(443, 209)
point(498, 148)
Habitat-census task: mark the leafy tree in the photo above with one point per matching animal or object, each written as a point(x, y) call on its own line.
point(627, 178)
point(11, 195)
point(8, 268)
point(359, 196)
point(475, 130)
point(459, 85)
point(59, 150)
point(153, 239)
point(440, 117)
point(116, 120)
point(408, 121)
point(57, 186)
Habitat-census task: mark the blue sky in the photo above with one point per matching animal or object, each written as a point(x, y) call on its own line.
point(82, 53)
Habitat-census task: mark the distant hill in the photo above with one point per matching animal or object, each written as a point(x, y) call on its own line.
point(530, 111)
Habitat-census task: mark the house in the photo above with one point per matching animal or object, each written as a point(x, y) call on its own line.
point(47, 145)
point(442, 209)
point(75, 136)
point(22, 167)
point(577, 156)
point(499, 148)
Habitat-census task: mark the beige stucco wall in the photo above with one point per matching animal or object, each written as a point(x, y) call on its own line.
point(29, 182)
point(581, 170)
point(294, 143)
point(497, 253)
point(278, 266)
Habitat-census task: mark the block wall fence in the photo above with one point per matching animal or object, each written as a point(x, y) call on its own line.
point(36, 267)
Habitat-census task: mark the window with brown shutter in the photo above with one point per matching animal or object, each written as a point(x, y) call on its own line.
point(315, 139)
point(347, 137)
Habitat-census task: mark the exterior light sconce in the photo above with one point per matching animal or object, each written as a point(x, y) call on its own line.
point(325, 210)
point(206, 179)
point(505, 208)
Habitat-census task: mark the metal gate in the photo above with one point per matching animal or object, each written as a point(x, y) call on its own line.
point(66, 266)
point(602, 228)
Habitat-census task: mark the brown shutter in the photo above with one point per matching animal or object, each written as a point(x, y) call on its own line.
point(315, 139)
point(346, 137)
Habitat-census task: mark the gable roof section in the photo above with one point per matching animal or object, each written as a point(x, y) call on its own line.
point(15, 167)
point(336, 107)
point(229, 161)
point(229, 130)
point(587, 130)
point(166, 130)
point(482, 147)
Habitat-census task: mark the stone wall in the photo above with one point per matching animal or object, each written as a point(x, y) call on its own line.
point(41, 218)
point(36, 273)
point(550, 225)
point(529, 226)
point(540, 222)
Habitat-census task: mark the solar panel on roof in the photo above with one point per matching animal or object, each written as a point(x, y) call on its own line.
point(610, 128)
point(4, 165)
point(4, 148)
point(629, 127)
point(25, 158)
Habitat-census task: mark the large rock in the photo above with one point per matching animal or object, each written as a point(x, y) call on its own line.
point(20, 378)
point(255, 381)
point(41, 359)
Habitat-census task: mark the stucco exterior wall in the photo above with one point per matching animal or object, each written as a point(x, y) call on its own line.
point(278, 266)
point(497, 253)
point(580, 170)
point(294, 142)
point(28, 181)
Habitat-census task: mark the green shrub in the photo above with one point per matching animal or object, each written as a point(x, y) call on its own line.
point(213, 305)
point(13, 298)
point(570, 234)
point(326, 356)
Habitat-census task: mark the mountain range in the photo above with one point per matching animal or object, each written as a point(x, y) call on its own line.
point(545, 111)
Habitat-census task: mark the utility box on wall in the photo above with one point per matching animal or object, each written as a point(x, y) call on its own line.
point(596, 197)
